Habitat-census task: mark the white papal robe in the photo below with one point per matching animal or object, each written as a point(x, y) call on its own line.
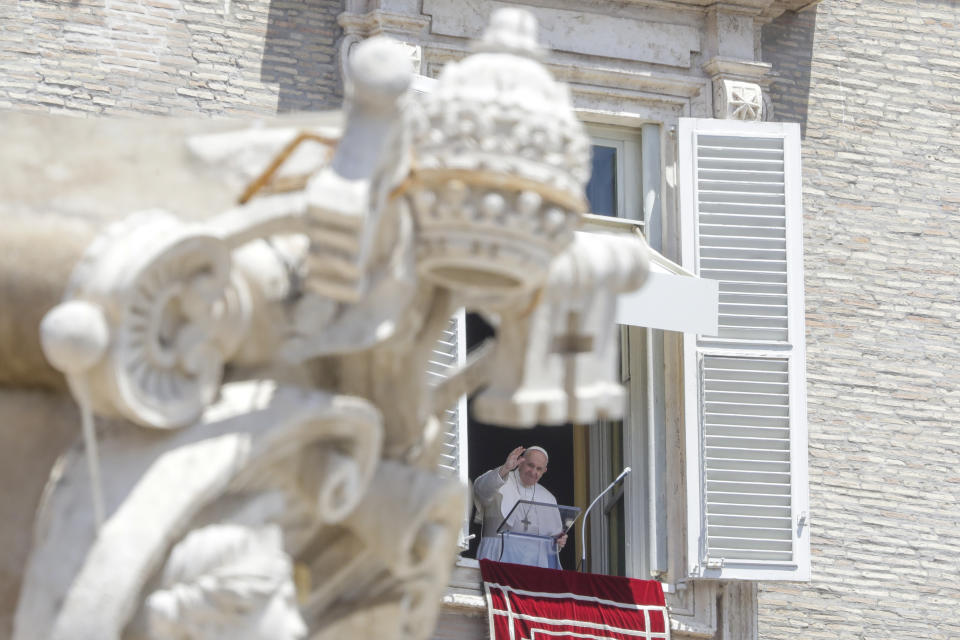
point(495, 497)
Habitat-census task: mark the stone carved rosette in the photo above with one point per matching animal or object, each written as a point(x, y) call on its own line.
point(152, 313)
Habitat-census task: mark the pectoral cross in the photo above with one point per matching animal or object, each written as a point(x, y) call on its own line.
point(526, 523)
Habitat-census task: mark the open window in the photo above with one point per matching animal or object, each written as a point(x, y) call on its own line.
point(583, 458)
point(745, 406)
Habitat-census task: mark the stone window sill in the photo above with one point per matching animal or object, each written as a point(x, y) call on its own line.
point(465, 591)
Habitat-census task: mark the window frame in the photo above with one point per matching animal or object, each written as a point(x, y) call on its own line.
point(639, 188)
point(627, 142)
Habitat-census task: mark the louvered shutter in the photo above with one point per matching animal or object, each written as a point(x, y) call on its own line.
point(745, 403)
point(449, 353)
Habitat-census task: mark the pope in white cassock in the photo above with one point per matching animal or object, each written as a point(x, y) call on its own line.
point(497, 491)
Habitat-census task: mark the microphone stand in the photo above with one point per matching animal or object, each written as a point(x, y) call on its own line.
point(583, 523)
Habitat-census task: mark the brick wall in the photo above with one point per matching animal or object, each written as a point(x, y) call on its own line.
point(169, 57)
point(876, 84)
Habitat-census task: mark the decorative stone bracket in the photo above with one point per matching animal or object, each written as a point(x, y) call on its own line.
point(736, 100)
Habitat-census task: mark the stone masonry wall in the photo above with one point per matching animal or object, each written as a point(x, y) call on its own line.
point(169, 57)
point(876, 84)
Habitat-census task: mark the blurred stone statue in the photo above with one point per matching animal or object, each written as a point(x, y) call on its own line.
point(253, 384)
point(226, 582)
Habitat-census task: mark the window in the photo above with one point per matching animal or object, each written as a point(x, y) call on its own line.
point(737, 396)
point(583, 459)
point(617, 525)
point(744, 388)
point(614, 187)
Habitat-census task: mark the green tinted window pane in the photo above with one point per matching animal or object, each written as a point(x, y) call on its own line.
point(602, 188)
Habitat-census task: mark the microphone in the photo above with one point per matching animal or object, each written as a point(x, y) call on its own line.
point(583, 525)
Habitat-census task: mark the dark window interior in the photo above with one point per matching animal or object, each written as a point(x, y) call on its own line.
point(489, 445)
point(602, 188)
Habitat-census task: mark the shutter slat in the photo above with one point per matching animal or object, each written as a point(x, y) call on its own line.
point(744, 234)
point(750, 544)
point(741, 409)
point(750, 510)
point(751, 277)
point(744, 253)
point(756, 555)
point(750, 386)
point(758, 444)
point(749, 432)
point(742, 499)
point(745, 173)
point(751, 322)
point(745, 308)
point(760, 522)
point(783, 477)
point(748, 421)
point(740, 208)
point(744, 197)
point(719, 184)
point(760, 304)
point(748, 533)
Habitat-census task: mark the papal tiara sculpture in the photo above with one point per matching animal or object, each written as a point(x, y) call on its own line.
point(500, 165)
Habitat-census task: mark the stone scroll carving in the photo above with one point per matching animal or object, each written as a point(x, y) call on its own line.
point(277, 353)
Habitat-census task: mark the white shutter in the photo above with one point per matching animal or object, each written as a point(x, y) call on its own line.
point(449, 353)
point(745, 402)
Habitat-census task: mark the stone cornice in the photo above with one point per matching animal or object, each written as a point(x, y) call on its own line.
point(779, 7)
point(673, 85)
point(374, 22)
point(769, 9)
point(736, 69)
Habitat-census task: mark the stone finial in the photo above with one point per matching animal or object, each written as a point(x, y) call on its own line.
point(511, 30)
point(74, 336)
point(379, 71)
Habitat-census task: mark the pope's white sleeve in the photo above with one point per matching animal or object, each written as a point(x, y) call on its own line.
point(485, 487)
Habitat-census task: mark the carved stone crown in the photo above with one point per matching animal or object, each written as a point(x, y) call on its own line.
point(500, 166)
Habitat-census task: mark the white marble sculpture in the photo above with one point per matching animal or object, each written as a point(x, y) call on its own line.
point(265, 370)
point(226, 582)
